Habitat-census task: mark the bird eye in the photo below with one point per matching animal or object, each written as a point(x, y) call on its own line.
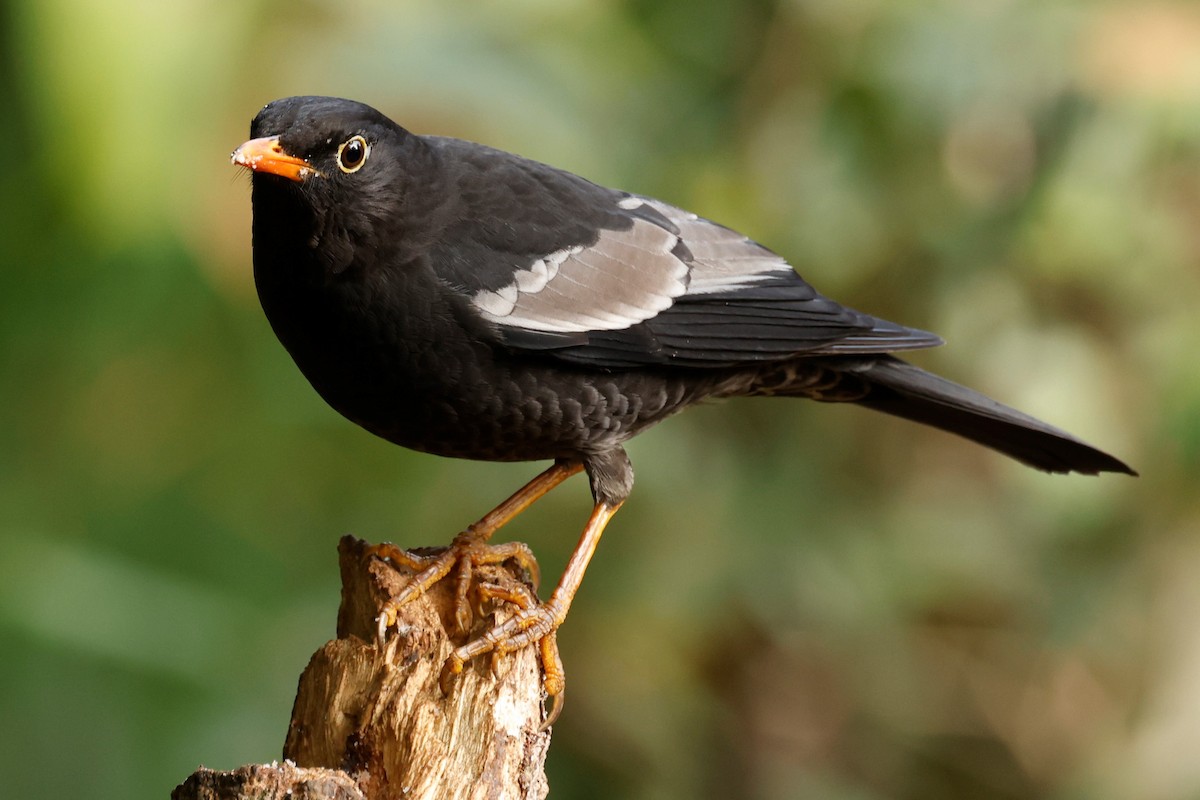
point(352, 154)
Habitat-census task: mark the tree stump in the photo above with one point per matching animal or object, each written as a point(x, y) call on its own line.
point(379, 719)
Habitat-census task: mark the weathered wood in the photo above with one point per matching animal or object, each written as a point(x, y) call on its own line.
point(380, 717)
point(268, 782)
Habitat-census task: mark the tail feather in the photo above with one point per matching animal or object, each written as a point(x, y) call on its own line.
point(899, 388)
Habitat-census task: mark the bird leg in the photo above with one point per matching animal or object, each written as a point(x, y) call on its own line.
point(538, 623)
point(470, 550)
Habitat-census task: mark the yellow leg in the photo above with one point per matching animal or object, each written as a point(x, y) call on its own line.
point(470, 549)
point(538, 624)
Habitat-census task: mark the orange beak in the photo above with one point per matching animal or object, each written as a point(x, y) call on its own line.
point(267, 155)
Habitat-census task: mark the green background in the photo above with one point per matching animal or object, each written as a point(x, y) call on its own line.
point(799, 600)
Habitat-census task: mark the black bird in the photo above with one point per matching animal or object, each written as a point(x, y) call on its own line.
point(467, 302)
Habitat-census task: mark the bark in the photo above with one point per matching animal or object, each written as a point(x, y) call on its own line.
point(269, 782)
point(377, 717)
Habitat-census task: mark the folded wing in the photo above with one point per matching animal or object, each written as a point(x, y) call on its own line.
point(673, 288)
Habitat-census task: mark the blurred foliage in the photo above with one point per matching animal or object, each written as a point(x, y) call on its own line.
point(799, 600)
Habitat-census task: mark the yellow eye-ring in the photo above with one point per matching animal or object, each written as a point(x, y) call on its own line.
point(352, 154)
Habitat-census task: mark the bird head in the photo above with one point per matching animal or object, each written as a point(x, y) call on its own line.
point(331, 176)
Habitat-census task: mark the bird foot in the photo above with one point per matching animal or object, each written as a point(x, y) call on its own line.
point(534, 623)
point(463, 557)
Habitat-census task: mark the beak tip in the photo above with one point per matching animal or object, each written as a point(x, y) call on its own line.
point(240, 158)
point(265, 155)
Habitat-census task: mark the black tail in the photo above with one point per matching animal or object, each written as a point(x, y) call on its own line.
point(899, 388)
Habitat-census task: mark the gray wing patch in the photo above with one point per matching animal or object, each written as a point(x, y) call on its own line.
point(632, 275)
point(723, 260)
point(625, 277)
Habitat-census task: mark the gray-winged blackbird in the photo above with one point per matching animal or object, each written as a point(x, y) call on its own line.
point(467, 302)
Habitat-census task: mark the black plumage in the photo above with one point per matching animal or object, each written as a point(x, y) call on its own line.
point(468, 302)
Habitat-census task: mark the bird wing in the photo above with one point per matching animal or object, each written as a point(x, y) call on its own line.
point(660, 285)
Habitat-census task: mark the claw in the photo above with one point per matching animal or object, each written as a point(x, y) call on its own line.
point(382, 623)
point(452, 668)
point(554, 707)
